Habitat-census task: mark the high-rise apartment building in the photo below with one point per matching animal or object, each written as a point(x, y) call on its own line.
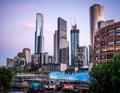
point(107, 42)
point(74, 43)
point(96, 15)
point(26, 54)
point(39, 38)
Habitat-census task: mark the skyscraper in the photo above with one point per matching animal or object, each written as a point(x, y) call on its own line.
point(96, 15)
point(74, 43)
point(39, 38)
point(61, 43)
point(55, 48)
point(62, 31)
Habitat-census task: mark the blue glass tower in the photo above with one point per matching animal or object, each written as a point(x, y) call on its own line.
point(39, 38)
point(74, 44)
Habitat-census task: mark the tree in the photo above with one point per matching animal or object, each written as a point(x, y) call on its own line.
point(105, 77)
point(6, 77)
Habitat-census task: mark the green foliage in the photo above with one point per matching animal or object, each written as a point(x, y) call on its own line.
point(105, 77)
point(5, 77)
point(21, 71)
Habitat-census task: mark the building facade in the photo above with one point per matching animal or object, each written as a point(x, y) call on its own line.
point(96, 15)
point(62, 43)
point(83, 56)
point(74, 43)
point(26, 54)
point(55, 47)
point(16, 63)
point(39, 38)
point(107, 42)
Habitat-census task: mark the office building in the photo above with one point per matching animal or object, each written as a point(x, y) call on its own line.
point(62, 43)
point(55, 48)
point(107, 41)
point(26, 54)
point(74, 44)
point(39, 38)
point(83, 56)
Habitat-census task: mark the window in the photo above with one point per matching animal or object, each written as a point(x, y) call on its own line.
point(103, 44)
point(98, 45)
point(103, 50)
point(118, 28)
point(109, 31)
point(110, 49)
point(97, 51)
point(117, 42)
point(117, 48)
point(109, 56)
point(117, 33)
point(103, 57)
point(110, 43)
point(97, 58)
point(110, 34)
point(103, 37)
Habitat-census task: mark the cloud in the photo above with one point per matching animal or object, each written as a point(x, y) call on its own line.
point(28, 25)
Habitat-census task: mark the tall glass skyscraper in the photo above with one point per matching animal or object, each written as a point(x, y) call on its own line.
point(39, 38)
point(74, 44)
point(62, 43)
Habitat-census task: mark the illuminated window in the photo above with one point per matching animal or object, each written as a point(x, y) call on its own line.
point(103, 50)
point(103, 57)
point(117, 48)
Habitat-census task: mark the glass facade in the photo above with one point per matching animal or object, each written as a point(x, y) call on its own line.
point(62, 43)
point(74, 44)
point(39, 39)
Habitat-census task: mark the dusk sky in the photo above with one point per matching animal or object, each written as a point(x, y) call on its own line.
point(18, 18)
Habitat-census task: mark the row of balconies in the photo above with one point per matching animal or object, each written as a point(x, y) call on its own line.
point(104, 44)
point(108, 36)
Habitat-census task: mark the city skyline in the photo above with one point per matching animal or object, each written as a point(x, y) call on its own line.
point(17, 26)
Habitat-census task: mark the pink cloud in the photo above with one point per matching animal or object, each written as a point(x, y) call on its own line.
point(28, 25)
